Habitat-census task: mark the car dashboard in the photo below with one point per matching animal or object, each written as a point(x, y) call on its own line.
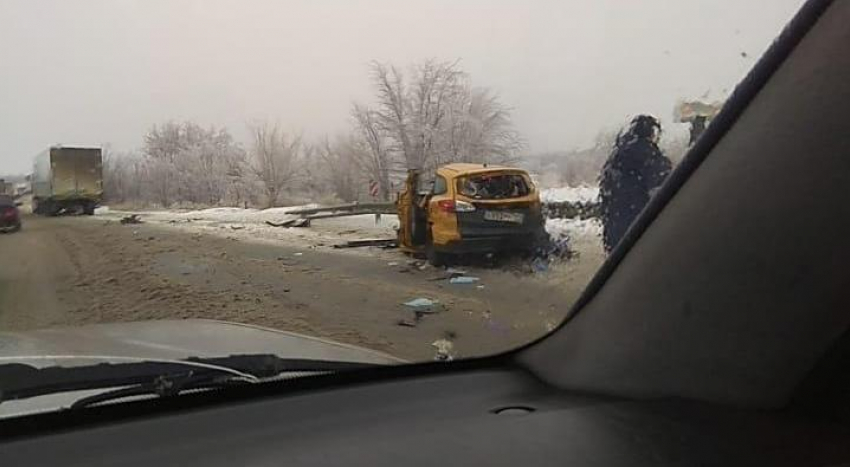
point(496, 416)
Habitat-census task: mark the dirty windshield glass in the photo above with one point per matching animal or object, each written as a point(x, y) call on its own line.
point(383, 181)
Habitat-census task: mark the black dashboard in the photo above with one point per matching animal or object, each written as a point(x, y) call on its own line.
point(484, 417)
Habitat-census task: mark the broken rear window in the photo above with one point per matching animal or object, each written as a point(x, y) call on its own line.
point(493, 186)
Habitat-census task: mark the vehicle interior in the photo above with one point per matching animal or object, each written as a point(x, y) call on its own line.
point(717, 332)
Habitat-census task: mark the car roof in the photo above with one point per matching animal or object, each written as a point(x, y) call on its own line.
point(461, 168)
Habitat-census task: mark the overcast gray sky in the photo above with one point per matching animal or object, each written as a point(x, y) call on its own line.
point(96, 71)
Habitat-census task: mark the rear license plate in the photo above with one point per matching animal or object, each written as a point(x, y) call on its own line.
point(500, 216)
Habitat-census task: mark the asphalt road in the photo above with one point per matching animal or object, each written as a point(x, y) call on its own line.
point(71, 271)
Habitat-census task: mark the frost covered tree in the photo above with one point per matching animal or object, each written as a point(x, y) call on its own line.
point(275, 156)
point(188, 163)
point(339, 166)
point(178, 163)
point(432, 115)
point(370, 149)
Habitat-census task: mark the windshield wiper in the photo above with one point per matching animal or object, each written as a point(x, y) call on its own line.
point(21, 381)
point(165, 386)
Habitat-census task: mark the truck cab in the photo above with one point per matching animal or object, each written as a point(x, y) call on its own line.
point(469, 208)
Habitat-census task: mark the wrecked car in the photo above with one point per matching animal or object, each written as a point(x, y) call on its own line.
point(469, 208)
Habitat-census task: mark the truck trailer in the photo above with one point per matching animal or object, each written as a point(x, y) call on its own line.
point(67, 179)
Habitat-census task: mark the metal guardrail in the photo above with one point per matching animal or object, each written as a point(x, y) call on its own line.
point(551, 210)
point(352, 209)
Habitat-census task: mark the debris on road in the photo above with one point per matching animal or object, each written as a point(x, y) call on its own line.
point(131, 219)
point(456, 276)
point(408, 323)
point(392, 263)
point(379, 242)
point(539, 265)
point(461, 280)
point(422, 304)
point(237, 227)
point(301, 222)
point(420, 307)
point(445, 350)
point(298, 254)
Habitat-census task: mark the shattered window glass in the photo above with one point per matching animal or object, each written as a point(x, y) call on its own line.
point(493, 186)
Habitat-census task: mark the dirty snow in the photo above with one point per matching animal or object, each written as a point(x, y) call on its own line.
point(240, 215)
point(250, 224)
point(572, 194)
point(572, 228)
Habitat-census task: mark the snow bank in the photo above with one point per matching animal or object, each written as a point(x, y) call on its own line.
point(572, 194)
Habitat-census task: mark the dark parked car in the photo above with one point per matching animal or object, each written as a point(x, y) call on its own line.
point(10, 215)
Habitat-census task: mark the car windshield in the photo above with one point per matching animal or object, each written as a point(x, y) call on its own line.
point(370, 182)
point(493, 186)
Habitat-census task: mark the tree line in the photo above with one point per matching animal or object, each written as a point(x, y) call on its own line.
point(422, 116)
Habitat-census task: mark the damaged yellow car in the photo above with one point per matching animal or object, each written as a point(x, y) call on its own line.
point(469, 208)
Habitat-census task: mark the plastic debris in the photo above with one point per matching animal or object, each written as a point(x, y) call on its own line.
point(445, 349)
point(298, 254)
point(463, 280)
point(131, 219)
point(290, 223)
point(479, 287)
point(385, 243)
point(449, 275)
point(392, 263)
point(421, 303)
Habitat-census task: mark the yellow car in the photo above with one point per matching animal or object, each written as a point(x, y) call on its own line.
point(469, 208)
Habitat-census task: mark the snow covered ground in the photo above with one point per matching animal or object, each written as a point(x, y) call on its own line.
point(250, 224)
point(573, 194)
point(558, 228)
